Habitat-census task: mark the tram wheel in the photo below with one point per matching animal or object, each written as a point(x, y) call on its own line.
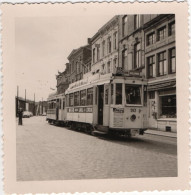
point(90, 130)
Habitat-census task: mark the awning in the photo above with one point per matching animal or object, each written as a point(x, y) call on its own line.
point(103, 82)
point(159, 86)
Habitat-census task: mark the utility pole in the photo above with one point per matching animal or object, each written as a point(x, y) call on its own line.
point(42, 105)
point(17, 101)
point(34, 105)
point(25, 100)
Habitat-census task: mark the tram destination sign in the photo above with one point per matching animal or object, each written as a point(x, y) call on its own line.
point(118, 110)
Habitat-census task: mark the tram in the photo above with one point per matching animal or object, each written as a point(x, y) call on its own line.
point(111, 105)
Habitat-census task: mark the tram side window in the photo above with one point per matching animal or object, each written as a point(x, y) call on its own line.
point(60, 104)
point(67, 100)
point(71, 99)
point(106, 93)
point(118, 99)
point(90, 96)
point(63, 105)
point(76, 99)
point(83, 97)
point(133, 94)
point(111, 93)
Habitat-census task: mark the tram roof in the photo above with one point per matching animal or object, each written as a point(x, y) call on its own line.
point(53, 96)
point(103, 79)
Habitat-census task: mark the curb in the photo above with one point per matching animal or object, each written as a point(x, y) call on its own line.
point(160, 135)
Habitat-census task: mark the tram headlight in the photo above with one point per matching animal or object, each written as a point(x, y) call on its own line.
point(133, 117)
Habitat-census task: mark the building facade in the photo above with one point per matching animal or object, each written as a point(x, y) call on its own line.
point(63, 79)
point(78, 61)
point(160, 63)
point(131, 45)
point(147, 48)
point(105, 48)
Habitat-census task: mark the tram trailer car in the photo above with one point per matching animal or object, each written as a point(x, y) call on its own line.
point(56, 112)
point(116, 106)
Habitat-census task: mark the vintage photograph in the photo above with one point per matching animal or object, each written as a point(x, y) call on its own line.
point(96, 97)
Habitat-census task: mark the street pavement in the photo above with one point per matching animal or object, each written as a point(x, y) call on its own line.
point(48, 152)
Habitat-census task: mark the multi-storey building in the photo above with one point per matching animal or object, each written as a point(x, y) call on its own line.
point(160, 63)
point(105, 48)
point(78, 60)
point(147, 49)
point(63, 79)
point(62, 84)
point(131, 45)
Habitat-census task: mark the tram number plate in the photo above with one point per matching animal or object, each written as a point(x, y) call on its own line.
point(133, 109)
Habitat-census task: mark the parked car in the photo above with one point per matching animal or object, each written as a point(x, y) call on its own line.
point(31, 114)
point(26, 114)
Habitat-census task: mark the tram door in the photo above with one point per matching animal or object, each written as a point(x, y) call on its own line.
point(100, 104)
point(57, 108)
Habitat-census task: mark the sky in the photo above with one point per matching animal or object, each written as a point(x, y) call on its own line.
point(42, 45)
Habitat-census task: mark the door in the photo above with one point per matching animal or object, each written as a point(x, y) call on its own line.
point(57, 109)
point(100, 104)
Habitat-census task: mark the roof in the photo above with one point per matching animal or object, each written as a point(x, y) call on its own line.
point(74, 51)
point(105, 26)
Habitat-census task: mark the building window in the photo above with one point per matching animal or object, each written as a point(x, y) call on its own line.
point(151, 95)
point(137, 22)
point(109, 44)
point(137, 56)
point(98, 53)
point(103, 48)
point(124, 58)
point(172, 57)
point(118, 99)
point(124, 25)
point(90, 96)
point(168, 106)
point(94, 55)
point(151, 66)
point(115, 63)
point(76, 99)
point(103, 68)
point(171, 29)
point(161, 33)
point(115, 41)
point(83, 97)
point(150, 39)
point(108, 67)
point(162, 65)
point(71, 100)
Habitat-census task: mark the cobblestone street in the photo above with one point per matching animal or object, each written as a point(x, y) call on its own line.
point(47, 152)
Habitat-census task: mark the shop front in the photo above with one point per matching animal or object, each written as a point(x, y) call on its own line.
point(162, 111)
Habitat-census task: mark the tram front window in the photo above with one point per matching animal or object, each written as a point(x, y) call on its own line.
point(133, 94)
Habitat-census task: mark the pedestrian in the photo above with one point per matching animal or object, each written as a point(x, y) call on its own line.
point(20, 112)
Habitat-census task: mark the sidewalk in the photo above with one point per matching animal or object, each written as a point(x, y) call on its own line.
point(161, 133)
